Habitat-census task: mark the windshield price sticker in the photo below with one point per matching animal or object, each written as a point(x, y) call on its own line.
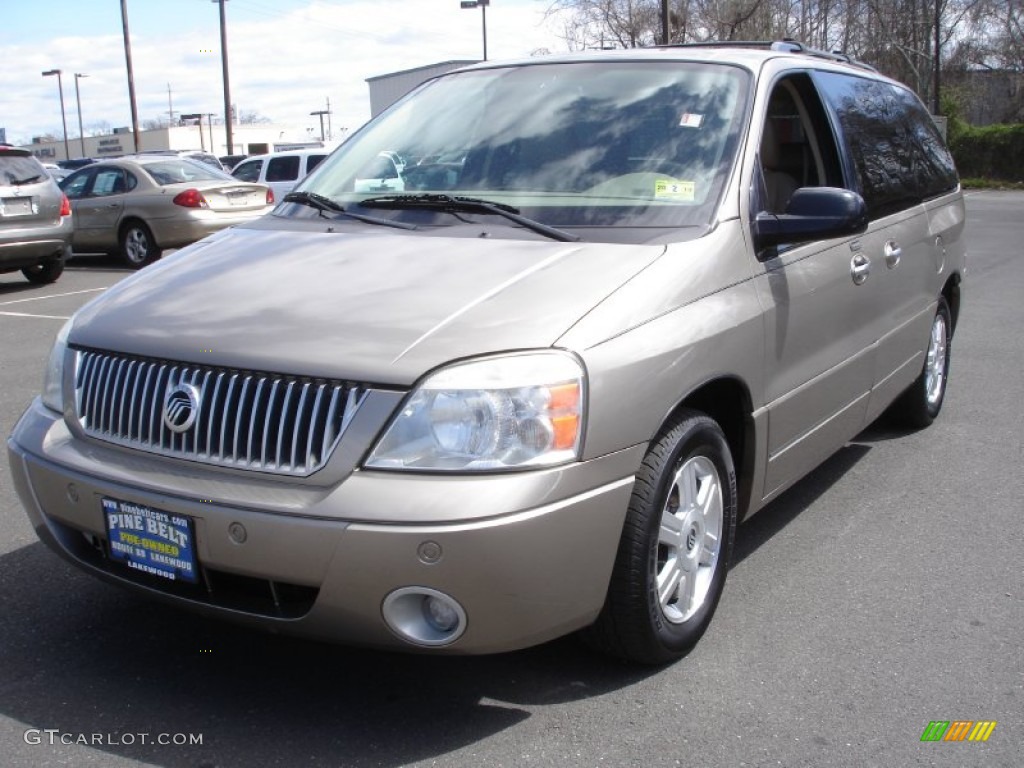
point(151, 541)
point(673, 189)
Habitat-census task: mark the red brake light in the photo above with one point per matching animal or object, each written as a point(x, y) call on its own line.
point(190, 198)
point(65, 206)
point(270, 197)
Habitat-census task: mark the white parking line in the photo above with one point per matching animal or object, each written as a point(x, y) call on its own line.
point(53, 296)
point(26, 314)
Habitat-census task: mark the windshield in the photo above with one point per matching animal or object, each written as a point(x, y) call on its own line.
point(588, 144)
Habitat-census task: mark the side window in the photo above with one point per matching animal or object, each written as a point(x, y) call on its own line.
point(879, 140)
point(313, 161)
point(75, 185)
point(797, 148)
point(248, 171)
point(931, 164)
point(109, 181)
point(283, 168)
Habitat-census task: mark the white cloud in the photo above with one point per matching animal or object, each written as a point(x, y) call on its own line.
point(284, 63)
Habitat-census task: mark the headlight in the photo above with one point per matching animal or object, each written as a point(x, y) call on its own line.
point(53, 380)
point(507, 412)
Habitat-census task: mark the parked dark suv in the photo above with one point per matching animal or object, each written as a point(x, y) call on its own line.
point(35, 218)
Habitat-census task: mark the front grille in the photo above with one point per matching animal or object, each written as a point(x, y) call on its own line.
point(259, 421)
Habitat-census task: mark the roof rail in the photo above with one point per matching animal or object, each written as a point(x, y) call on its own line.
point(785, 45)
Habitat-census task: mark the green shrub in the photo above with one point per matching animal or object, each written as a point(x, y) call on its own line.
point(990, 152)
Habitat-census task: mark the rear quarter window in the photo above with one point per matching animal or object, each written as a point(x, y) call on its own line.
point(897, 156)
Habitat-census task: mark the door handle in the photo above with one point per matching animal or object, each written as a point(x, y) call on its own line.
point(860, 268)
point(893, 253)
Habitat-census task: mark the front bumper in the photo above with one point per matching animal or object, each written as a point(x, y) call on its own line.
point(289, 556)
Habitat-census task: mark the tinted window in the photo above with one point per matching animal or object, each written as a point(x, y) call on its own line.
point(248, 171)
point(313, 161)
point(283, 168)
point(932, 164)
point(898, 159)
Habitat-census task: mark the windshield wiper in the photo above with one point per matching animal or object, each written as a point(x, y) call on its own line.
point(325, 204)
point(29, 180)
point(453, 204)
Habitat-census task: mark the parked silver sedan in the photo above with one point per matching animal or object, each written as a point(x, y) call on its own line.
point(140, 205)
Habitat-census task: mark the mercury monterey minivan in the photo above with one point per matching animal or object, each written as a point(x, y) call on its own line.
point(620, 302)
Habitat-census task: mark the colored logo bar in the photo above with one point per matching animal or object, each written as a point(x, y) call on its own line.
point(958, 730)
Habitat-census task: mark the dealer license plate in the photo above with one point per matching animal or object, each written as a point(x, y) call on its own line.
point(150, 540)
point(16, 206)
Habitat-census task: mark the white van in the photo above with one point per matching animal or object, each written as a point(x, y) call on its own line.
point(280, 170)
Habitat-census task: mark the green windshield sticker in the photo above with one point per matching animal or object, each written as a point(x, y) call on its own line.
point(673, 189)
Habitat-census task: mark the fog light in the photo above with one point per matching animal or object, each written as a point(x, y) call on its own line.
point(424, 616)
point(441, 615)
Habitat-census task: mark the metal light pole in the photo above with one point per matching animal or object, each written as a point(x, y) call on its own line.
point(482, 5)
point(131, 75)
point(198, 117)
point(224, 68)
point(321, 112)
point(78, 100)
point(63, 118)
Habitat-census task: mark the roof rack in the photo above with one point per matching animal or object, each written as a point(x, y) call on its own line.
point(782, 46)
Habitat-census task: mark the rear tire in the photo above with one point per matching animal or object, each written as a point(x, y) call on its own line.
point(138, 247)
point(675, 547)
point(920, 404)
point(45, 273)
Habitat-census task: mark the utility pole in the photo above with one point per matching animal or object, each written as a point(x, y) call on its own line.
point(131, 76)
point(224, 67)
point(170, 107)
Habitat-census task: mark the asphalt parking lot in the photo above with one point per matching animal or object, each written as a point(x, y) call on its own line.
point(881, 593)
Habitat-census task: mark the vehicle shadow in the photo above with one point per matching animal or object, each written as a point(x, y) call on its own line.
point(780, 512)
point(83, 657)
point(97, 261)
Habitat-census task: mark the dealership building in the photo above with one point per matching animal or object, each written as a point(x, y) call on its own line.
point(246, 140)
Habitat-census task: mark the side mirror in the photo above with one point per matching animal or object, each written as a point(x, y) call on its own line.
point(813, 213)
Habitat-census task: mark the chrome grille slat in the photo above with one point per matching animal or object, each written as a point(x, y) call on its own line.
point(265, 422)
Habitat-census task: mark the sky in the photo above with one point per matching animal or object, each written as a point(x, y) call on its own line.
point(286, 58)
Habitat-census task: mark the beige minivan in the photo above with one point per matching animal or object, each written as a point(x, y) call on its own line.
point(620, 302)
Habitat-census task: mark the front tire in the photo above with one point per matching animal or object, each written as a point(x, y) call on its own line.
point(138, 247)
point(920, 404)
point(675, 547)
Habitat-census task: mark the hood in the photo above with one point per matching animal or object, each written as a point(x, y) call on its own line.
point(374, 307)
